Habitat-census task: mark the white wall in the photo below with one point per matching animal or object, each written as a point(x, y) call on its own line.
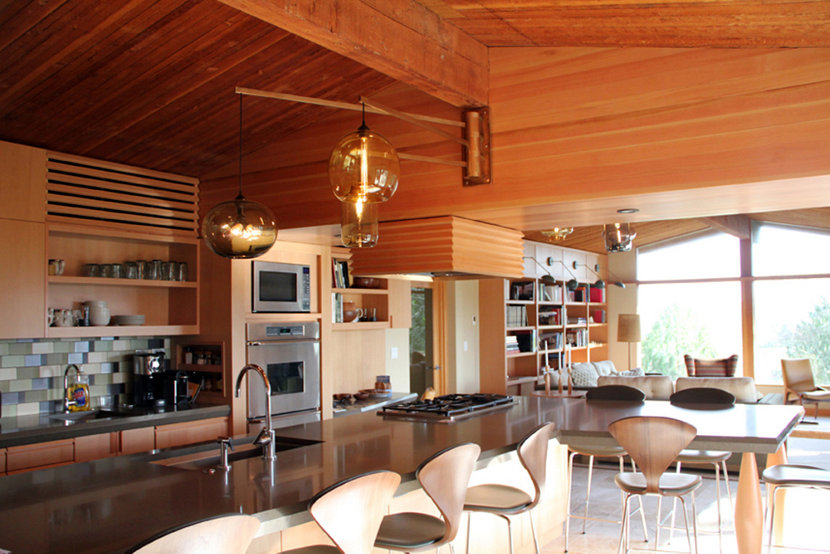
point(623, 267)
point(463, 352)
point(397, 358)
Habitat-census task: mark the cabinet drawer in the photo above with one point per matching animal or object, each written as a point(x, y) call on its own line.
point(178, 434)
point(94, 447)
point(36, 456)
point(134, 441)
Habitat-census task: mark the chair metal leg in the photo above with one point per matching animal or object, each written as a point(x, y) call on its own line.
point(717, 491)
point(533, 530)
point(568, 507)
point(623, 524)
point(686, 521)
point(642, 509)
point(468, 533)
point(588, 493)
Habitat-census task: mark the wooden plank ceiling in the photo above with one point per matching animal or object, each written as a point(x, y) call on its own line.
point(673, 23)
point(151, 83)
point(650, 232)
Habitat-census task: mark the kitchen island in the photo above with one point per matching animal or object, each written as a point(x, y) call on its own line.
point(107, 505)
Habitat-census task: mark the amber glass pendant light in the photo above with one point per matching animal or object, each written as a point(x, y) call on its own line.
point(240, 228)
point(617, 237)
point(364, 167)
point(359, 224)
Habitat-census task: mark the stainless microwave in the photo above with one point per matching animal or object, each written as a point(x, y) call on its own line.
point(280, 288)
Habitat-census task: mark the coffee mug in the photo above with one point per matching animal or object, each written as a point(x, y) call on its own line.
point(50, 317)
point(63, 318)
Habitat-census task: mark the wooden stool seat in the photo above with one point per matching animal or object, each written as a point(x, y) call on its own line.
point(702, 456)
point(671, 484)
point(785, 476)
point(315, 549)
point(410, 530)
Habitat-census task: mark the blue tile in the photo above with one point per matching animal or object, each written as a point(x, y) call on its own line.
point(82, 346)
point(109, 367)
point(75, 358)
point(31, 360)
point(24, 340)
point(40, 384)
point(12, 398)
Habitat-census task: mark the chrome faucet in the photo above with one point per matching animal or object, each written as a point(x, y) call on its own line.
point(266, 438)
point(66, 402)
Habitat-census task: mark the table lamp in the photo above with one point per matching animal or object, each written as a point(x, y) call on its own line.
point(628, 330)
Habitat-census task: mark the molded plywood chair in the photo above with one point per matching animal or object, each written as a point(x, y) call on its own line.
point(701, 398)
point(798, 380)
point(225, 534)
point(654, 443)
point(784, 476)
point(699, 367)
point(350, 512)
point(444, 477)
point(611, 392)
point(504, 500)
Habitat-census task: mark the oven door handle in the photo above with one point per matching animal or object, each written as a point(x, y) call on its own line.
point(255, 343)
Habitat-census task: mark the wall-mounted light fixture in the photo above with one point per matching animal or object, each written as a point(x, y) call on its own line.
point(240, 228)
point(547, 278)
point(571, 284)
point(617, 237)
point(558, 233)
point(599, 282)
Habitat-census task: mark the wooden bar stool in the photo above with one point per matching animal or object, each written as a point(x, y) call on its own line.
point(653, 443)
point(350, 512)
point(504, 500)
point(444, 476)
point(612, 393)
point(784, 476)
point(704, 398)
point(224, 534)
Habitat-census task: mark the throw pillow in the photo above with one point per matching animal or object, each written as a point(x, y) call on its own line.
point(636, 372)
point(583, 375)
point(605, 367)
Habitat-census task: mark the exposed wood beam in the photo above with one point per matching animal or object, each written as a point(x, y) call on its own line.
point(736, 225)
point(399, 38)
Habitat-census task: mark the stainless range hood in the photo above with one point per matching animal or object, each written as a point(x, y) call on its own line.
point(442, 246)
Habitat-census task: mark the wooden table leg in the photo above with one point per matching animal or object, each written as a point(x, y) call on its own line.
point(749, 513)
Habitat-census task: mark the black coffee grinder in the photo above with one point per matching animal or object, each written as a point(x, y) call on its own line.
point(148, 378)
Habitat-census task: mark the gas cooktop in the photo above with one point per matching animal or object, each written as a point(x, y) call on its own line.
point(450, 407)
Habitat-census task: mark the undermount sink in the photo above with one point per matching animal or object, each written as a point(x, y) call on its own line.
point(74, 417)
point(243, 450)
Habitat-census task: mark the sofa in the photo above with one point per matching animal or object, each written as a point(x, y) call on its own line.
point(585, 375)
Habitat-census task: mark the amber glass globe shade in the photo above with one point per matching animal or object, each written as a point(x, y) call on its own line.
point(364, 166)
point(617, 237)
point(359, 224)
point(240, 228)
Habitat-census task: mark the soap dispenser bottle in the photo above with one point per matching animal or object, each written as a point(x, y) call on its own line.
point(77, 390)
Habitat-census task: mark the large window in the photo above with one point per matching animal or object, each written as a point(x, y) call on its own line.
point(792, 316)
point(698, 318)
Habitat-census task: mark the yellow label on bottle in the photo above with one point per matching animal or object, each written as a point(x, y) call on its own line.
point(79, 396)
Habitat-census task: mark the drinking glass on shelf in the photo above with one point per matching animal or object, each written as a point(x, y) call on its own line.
point(168, 271)
point(117, 271)
point(142, 269)
point(131, 270)
point(92, 270)
point(106, 270)
point(154, 269)
point(181, 271)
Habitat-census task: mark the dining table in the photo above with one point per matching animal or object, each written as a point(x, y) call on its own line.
point(748, 429)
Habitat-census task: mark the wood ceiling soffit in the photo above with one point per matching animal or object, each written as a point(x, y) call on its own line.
point(401, 39)
point(782, 23)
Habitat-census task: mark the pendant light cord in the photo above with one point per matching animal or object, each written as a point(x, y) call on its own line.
point(240, 148)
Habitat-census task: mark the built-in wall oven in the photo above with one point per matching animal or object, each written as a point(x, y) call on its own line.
point(290, 355)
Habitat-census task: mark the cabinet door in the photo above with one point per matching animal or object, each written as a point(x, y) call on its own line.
point(41, 455)
point(190, 432)
point(133, 441)
point(22, 182)
point(24, 288)
point(95, 447)
point(2, 461)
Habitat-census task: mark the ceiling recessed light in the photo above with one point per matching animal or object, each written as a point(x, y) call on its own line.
point(628, 211)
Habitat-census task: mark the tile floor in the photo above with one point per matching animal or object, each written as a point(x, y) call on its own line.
point(602, 537)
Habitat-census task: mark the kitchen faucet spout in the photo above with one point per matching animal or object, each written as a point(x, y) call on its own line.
point(266, 437)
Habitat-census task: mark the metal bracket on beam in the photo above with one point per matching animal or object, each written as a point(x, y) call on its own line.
point(477, 150)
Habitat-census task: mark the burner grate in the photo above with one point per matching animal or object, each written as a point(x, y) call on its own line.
point(448, 407)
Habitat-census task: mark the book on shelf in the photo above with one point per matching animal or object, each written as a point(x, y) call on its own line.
point(515, 316)
point(552, 340)
point(577, 321)
point(598, 316)
point(337, 308)
point(521, 290)
point(550, 317)
point(340, 274)
point(511, 343)
point(550, 293)
point(527, 341)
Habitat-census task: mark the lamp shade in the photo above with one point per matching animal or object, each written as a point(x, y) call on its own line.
point(628, 328)
point(239, 228)
point(617, 237)
point(364, 166)
point(359, 224)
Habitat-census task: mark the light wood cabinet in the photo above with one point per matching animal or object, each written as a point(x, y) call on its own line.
point(22, 182)
point(2, 461)
point(39, 456)
point(169, 307)
point(190, 432)
point(133, 441)
point(22, 279)
point(95, 447)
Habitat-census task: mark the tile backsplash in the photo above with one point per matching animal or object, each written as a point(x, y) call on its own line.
point(31, 371)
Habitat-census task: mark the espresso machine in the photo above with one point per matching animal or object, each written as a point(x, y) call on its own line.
point(148, 378)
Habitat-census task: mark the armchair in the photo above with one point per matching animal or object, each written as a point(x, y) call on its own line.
point(798, 380)
point(724, 367)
